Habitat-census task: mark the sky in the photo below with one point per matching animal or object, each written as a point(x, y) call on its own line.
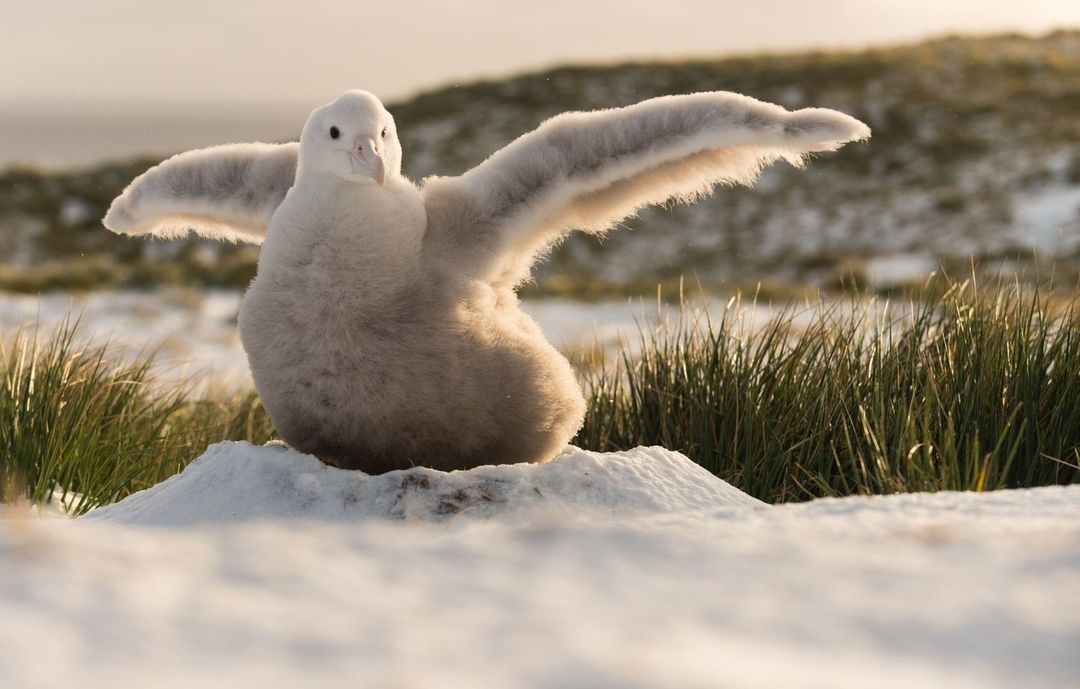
point(90, 79)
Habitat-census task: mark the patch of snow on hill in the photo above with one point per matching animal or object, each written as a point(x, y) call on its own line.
point(1048, 220)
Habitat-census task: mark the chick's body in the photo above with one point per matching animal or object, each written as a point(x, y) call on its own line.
point(370, 352)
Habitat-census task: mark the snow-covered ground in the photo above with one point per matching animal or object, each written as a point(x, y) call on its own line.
point(191, 332)
point(259, 567)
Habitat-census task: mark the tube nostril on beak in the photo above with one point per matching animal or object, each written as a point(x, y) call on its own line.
point(365, 146)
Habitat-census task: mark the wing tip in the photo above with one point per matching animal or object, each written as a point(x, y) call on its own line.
point(117, 219)
point(825, 129)
point(121, 218)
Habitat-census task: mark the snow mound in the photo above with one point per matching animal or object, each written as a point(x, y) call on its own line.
point(238, 481)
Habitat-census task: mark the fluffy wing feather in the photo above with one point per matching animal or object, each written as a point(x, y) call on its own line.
point(224, 192)
point(588, 171)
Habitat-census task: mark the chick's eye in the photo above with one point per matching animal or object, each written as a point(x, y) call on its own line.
point(334, 132)
point(384, 132)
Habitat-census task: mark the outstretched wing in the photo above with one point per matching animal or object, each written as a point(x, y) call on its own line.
point(224, 192)
point(587, 171)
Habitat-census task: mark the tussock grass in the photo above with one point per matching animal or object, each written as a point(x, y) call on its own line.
point(82, 427)
point(955, 390)
point(963, 391)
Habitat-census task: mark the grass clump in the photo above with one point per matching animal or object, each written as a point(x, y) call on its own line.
point(78, 426)
point(964, 391)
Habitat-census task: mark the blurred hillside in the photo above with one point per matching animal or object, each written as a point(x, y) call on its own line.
point(976, 153)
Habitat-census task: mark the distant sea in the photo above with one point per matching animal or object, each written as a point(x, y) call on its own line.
point(55, 138)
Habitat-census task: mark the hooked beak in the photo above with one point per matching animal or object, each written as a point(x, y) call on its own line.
point(367, 159)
